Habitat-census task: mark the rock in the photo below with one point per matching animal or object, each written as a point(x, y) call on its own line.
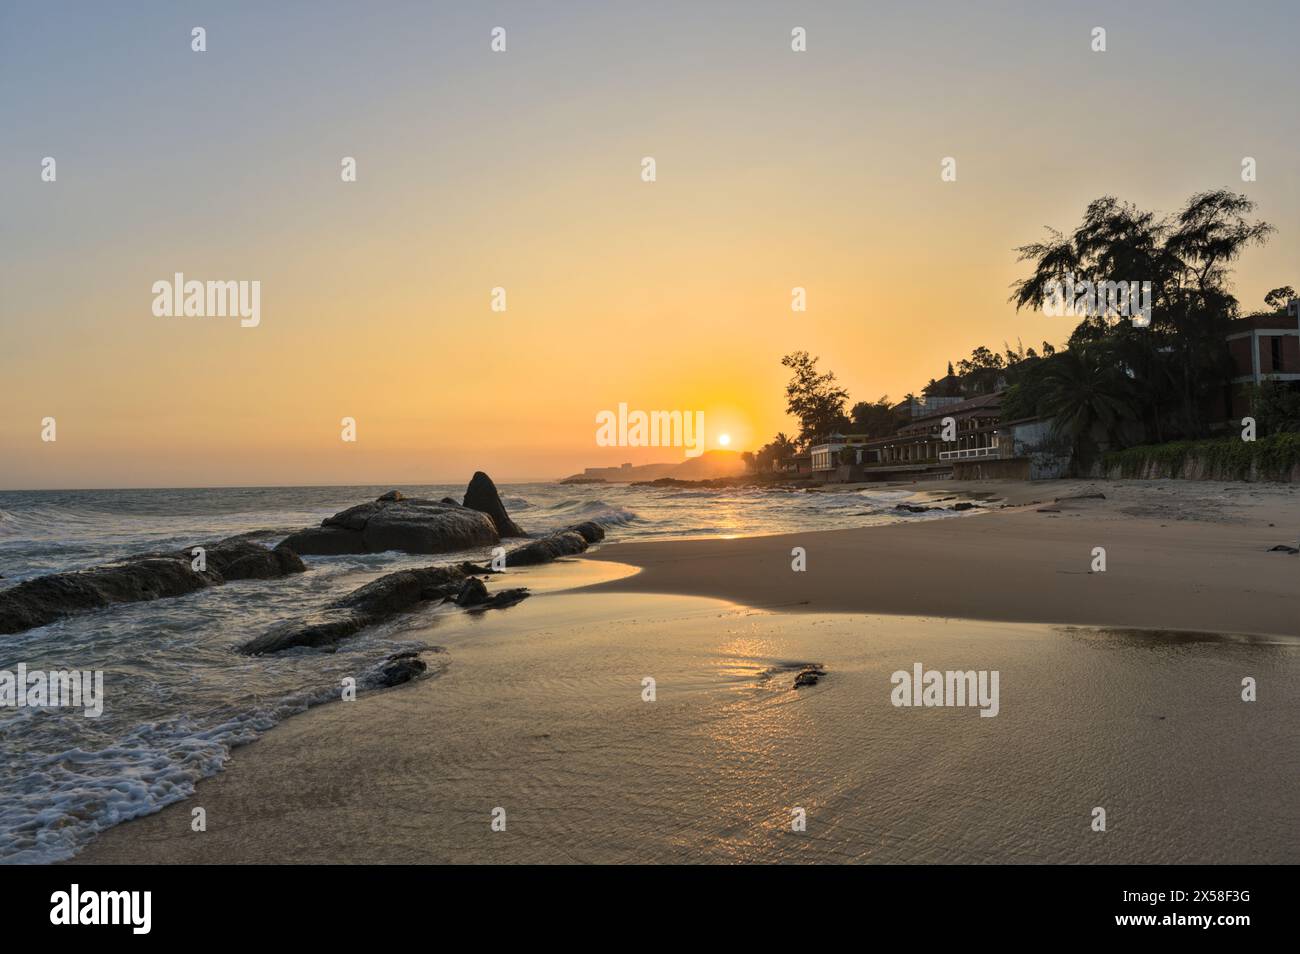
point(395, 592)
point(391, 495)
point(546, 549)
point(409, 524)
point(590, 531)
point(1095, 496)
point(242, 560)
point(808, 675)
point(501, 599)
point(964, 506)
point(45, 599)
point(314, 632)
point(426, 527)
point(915, 508)
point(472, 592)
point(325, 541)
point(1283, 548)
point(375, 602)
point(397, 669)
point(481, 495)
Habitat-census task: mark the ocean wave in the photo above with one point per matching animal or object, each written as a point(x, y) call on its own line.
point(55, 803)
point(601, 511)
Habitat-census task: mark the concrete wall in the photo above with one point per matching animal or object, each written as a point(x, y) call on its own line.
point(1048, 456)
point(992, 468)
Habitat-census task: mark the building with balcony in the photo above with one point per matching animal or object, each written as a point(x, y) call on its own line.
point(921, 440)
point(1262, 348)
point(831, 452)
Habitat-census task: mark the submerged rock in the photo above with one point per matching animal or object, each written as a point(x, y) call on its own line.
point(501, 599)
point(547, 549)
point(472, 592)
point(395, 592)
point(481, 495)
point(323, 629)
point(808, 675)
point(375, 602)
point(408, 524)
point(397, 669)
point(43, 600)
point(590, 531)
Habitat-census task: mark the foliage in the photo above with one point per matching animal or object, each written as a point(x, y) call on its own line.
point(1275, 406)
point(1274, 457)
point(814, 399)
point(1176, 362)
point(1278, 298)
point(875, 419)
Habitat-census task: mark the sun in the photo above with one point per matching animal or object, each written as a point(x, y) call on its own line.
point(724, 439)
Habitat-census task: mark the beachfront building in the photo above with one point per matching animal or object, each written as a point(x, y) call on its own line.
point(837, 449)
point(796, 465)
point(921, 440)
point(1262, 348)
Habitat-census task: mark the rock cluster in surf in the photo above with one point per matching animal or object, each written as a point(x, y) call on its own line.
point(377, 601)
point(45, 599)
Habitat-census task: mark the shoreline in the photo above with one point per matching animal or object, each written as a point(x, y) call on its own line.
point(1191, 563)
point(539, 707)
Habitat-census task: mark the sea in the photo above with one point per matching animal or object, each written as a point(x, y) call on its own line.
point(179, 698)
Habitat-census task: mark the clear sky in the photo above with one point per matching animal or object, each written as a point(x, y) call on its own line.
point(522, 169)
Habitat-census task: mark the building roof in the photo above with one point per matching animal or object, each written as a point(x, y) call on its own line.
point(990, 401)
point(1281, 321)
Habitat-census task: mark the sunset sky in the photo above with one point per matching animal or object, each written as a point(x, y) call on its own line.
point(522, 169)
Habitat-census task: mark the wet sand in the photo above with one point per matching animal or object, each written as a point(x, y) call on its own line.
point(539, 709)
point(541, 712)
point(1179, 555)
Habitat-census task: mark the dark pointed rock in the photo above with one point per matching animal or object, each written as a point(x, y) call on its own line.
point(481, 495)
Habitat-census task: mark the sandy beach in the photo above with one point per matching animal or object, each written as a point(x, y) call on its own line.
point(1117, 690)
point(1179, 555)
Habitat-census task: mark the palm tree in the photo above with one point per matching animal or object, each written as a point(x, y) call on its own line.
point(1186, 257)
point(1084, 388)
point(782, 446)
